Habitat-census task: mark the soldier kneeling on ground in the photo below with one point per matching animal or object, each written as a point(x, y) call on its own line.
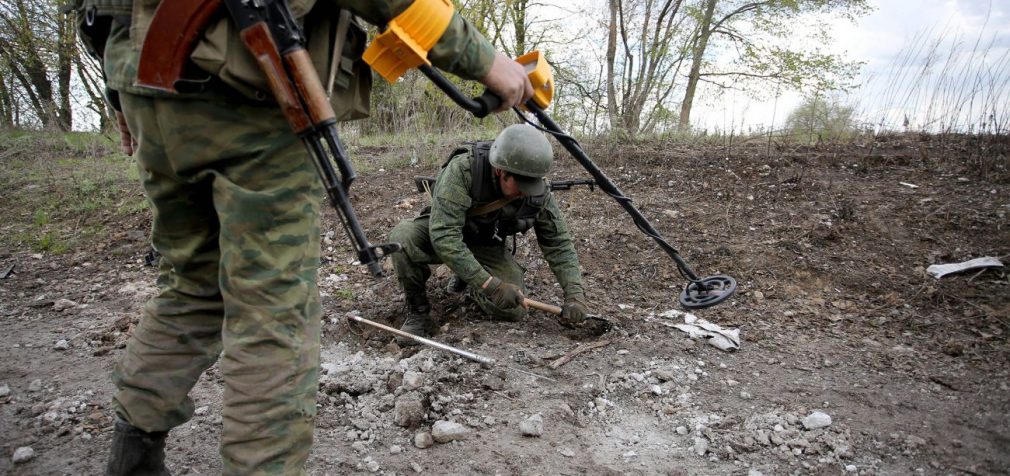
point(485, 192)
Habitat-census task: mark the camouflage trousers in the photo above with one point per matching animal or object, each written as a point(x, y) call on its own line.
point(236, 220)
point(412, 265)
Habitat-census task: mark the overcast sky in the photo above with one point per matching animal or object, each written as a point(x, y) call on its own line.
point(880, 39)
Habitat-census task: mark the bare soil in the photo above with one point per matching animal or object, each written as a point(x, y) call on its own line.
point(836, 313)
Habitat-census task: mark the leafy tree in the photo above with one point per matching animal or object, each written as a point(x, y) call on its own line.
point(761, 38)
point(643, 60)
point(819, 118)
point(37, 53)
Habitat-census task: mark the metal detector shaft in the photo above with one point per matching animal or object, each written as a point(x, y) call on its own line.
point(428, 342)
point(608, 186)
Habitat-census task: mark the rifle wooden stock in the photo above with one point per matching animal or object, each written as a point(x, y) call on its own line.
point(305, 77)
point(173, 34)
point(260, 43)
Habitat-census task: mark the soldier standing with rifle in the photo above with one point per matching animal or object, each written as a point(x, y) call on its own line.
point(236, 203)
point(485, 192)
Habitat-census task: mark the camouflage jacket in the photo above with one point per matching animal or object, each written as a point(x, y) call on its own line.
point(461, 50)
point(452, 199)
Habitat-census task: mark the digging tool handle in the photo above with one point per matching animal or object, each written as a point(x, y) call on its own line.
point(549, 308)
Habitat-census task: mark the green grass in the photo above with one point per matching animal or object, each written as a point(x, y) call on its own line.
point(62, 186)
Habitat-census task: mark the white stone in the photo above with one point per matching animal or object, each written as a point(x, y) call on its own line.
point(23, 454)
point(201, 411)
point(4, 391)
point(532, 426)
point(35, 386)
point(817, 420)
point(63, 304)
point(682, 430)
point(700, 446)
point(412, 380)
point(61, 344)
point(851, 468)
point(445, 431)
point(423, 440)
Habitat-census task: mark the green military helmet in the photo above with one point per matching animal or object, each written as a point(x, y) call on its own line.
point(522, 150)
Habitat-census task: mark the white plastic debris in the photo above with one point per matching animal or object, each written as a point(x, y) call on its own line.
point(696, 328)
point(940, 270)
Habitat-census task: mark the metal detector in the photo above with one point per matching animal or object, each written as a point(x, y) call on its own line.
point(699, 292)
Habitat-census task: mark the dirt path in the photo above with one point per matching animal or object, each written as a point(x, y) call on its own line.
point(836, 312)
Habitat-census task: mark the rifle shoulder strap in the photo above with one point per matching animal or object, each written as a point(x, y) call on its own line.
point(488, 208)
point(338, 49)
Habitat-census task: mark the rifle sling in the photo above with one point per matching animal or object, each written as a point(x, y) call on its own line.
point(490, 207)
point(338, 49)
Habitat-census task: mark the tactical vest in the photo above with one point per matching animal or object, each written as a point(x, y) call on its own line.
point(491, 228)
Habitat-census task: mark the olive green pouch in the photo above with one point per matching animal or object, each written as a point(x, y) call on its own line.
point(222, 53)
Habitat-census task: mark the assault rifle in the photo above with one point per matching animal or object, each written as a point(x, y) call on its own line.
point(568, 184)
point(272, 35)
point(424, 184)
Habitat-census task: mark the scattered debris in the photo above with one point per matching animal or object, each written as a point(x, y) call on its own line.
point(578, 350)
point(721, 338)
point(940, 270)
point(909, 185)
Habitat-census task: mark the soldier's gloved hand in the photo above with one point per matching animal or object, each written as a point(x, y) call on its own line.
point(574, 311)
point(504, 295)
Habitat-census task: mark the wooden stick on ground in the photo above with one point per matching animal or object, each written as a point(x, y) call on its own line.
point(578, 350)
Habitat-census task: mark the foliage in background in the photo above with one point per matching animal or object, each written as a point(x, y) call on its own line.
point(820, 119)
point(37, 55)
point(623, 68)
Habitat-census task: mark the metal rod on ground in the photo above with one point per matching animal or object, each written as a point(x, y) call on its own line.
point(480, 359)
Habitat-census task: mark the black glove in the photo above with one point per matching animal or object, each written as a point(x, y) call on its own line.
point(574, 311)
point(504, 295)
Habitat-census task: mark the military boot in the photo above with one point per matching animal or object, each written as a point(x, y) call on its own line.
point(418, 320)
point(136, 452)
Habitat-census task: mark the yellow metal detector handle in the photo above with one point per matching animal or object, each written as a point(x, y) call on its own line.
point(408, 38)
point(540, 75)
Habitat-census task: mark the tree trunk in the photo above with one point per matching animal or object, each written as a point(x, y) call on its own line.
point(66, 49)
point(700, 44)
point(6, 104)
point(611, 58)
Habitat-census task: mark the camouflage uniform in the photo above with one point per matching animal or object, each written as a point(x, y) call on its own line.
point(236, 203)
point(438, 237)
